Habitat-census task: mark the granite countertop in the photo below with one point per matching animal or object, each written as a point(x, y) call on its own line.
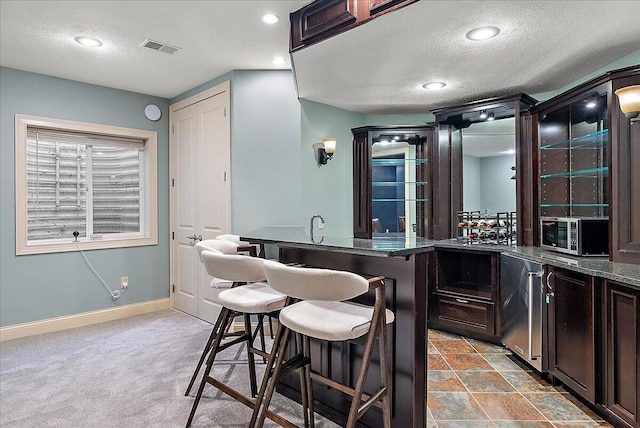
point(399, 246)
point(383, 246)
point(595, 266)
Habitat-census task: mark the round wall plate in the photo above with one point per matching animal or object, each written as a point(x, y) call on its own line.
point(152, 112)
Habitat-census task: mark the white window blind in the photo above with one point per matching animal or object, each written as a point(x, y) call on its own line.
point(85, 182)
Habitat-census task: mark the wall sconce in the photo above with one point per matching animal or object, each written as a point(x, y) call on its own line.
point(326, 151)
point(629, 99)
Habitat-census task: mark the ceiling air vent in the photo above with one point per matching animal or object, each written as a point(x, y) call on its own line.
point(158, 46)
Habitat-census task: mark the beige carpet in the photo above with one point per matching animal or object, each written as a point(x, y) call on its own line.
point(125, 373)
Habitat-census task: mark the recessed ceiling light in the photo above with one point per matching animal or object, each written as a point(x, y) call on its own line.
point(270, 19)
point(491, 117)
point(434, 85)
point(88, 41)
point(278, 60)
point(483, 114)
point(483, 33)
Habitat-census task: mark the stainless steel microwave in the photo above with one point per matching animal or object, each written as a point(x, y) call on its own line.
point(580, 236)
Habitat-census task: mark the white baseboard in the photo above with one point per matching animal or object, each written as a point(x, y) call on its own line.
point(79, 320)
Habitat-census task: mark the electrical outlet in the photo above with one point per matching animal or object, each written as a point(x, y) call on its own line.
point(124, 282)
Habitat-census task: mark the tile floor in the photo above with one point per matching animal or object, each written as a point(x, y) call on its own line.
point(472, 384)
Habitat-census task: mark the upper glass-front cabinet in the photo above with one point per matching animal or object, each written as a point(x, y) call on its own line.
point(391, 181)
point(574, 160)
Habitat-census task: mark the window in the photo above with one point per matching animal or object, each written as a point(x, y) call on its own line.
point(94, 179)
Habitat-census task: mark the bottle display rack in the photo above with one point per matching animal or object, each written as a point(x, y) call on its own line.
point(475, 227)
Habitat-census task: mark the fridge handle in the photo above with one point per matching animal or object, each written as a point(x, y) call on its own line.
point(530, 291)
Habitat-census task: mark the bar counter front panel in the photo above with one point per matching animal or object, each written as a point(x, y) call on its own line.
point(404, 265)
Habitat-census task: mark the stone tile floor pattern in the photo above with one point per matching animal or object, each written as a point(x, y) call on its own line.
point(473, 384)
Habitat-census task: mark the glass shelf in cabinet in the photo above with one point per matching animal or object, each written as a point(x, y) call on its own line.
point(396, 162)
point(594, 140)
point(575, 205)
point(398, 200)
point(588, 173)
point(397, 183)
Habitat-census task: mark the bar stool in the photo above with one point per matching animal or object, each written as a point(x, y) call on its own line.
point(253, 250)
point(255, 297)
point(218, 284)
point(322, 313)
point(242, 245)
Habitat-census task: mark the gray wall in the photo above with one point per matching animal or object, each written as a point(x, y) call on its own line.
point(37, 287)
point(265, 148)
point(498, 191)
point(328, 189)
point(487, 184)
point(471, 194)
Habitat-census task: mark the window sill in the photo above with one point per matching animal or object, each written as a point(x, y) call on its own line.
point(95, 244)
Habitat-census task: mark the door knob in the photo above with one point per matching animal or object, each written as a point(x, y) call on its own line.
point(194, 238)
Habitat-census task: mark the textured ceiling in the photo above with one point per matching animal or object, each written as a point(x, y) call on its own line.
point(378, 67)
point(215, 37)
point(381, 66)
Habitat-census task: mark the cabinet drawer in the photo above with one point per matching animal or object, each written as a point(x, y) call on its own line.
point(468, 314)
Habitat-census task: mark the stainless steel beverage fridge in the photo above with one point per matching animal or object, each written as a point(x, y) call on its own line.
point(522, 300)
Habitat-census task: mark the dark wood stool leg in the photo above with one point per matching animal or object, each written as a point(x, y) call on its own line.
point(306, 352)
point(225, 316)
point(270, 326)
point(384, 373)
point(206, 350)
point(262, 341)
point(303, 380)
point(252, 362)
point(362, 376)
point(282, 348)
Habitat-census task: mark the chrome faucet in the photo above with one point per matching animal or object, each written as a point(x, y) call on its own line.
point(311, 227)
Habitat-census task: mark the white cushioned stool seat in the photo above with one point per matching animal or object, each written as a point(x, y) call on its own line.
point(254, 298)
point(326, 320)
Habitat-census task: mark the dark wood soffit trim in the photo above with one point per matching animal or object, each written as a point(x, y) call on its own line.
point(567, 95)
point(443, 113)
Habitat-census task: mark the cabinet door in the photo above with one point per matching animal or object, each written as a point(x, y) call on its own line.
point(571, 331)
point(622, 352)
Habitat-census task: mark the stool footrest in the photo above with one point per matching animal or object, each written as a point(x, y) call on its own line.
point(260, 352)
point(248, 402)
point(373, 400)
point(235, 341)
point(292, 364)
point(342, 388)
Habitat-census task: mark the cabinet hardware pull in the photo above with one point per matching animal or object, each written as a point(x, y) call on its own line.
point(462, 301)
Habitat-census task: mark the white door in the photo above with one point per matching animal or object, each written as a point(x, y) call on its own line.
point(200, 195)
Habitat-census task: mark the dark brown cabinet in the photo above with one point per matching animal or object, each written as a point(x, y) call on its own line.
point(574, 158)
point(464, 293)
point(625, 177)
point(391, 181)
point(571, 330)
point(621, 314)
point(322, 19)
point(585, 160)
point(454, 123)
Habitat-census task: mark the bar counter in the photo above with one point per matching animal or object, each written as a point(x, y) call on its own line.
point(403, 262)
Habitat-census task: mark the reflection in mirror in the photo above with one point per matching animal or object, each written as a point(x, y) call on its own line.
point(488, 152)
point(396, 193)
